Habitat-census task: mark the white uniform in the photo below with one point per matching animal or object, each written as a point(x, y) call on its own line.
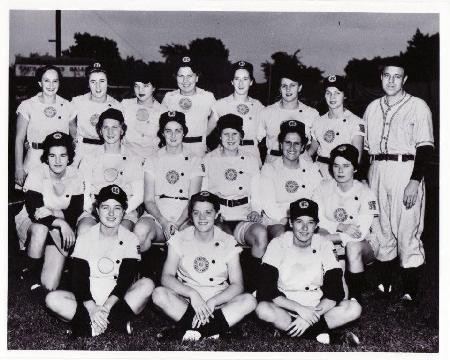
point(248, 111)
point(398, 130)
point(172, 175)
point(142, 126)
point(197, 109)
point(280, 186)
point(87, 113)
point(271, 117)
point(204, 266)
point(43, 119)
point(330, 133)
point(301, 270)
point(104, 258)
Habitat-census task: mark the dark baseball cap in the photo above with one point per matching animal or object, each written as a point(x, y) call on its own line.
point(57, 139)
point(347, 151)
point(94, 68)
point(112, 192)
point(186, 61)
point(204, 196)
point(335, 81)
point(230, 121)
point(304, 207)
point(293, 126)
point(241, 64)
point(168, 116)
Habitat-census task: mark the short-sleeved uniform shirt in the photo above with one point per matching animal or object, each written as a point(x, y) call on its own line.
point(172, 175)
point(204, 266)
point(43, 119)
point(231, 178)
point(399, 129)
point(142, 126)
point(301, 270)
point(104, 257)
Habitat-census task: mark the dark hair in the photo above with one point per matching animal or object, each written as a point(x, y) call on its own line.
point(63, 140)
point(394, 61)
point(164, 120)
point(203, 196)
point(346, 151)
point(114, 114)
point(42, 70)
point(144, 77)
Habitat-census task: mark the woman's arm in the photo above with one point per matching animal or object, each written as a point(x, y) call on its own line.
point(194, 187)
point(21, 133)
point(358, 142)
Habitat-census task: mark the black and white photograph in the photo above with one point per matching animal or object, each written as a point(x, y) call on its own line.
point(225, 179)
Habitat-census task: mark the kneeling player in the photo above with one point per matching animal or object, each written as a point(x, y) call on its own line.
point(302, 291)
point(104, 266)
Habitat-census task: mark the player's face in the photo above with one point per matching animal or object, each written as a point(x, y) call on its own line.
point(230, 139)
point(343, 170)
point(203, 216)
point(303, 228)
point(110, 213)
point(289, 89)
point(241, 82)
point(392, 80)
point(334, 98)
point(292, 146)
point(186, 80)
point(98, 84)
point(173, 133)
point(111, 131)
point(58, 159)
point(143, 91)
point(49, 83)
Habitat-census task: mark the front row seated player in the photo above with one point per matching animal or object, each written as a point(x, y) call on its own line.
point(202, 278)
point(301, 290)
point(105, 263)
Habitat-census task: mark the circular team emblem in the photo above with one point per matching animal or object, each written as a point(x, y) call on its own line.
point(292, 123)
point(241, 63)
point(115, 190)
point(242, 109)
point(332, 78)
point(110, 174)
point(291, 186)
point(205, 193)
point(186, 59)
point(185, 103)
point(172, 177)
point(142, 115)
point(105, 265)
point(50, 111)
point(201, 264)
point(342, 148)
point(329, 136)
point(57, 136)
point(303, 204)
point(230, 174)
point(340, 215)
point(94, 119)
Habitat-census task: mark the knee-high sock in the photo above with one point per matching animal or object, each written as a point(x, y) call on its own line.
point(120, 314)
point(410, 278)
point(318, 328)
point(81, 322)
point(355, 282)
point(385, 272)
point(216, 325)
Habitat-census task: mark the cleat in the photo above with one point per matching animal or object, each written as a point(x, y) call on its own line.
point(169, 333)
point(407, 297)
point(350, 338)
point(383, 290)
point(323, 338)
point(191, 335)
point(213, 337)
point(35, 286)
point(128, 328)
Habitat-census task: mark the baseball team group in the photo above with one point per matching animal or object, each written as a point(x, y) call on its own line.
point(275, 209)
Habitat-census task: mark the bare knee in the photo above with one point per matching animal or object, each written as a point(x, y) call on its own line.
point(53, 301)
point(247, 303)
point(145, 287)
point(352, 310)
point(38, 235)
point(160, 296)
point(353, 251)
point(145, 233)
point(264, 311)
point(260, 235)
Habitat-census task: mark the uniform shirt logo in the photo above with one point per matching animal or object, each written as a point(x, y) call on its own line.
point(372, 205)
point(172, 176)
point(50, 111)
point(291, 186)
point(242, 109)
point(329, 136)
point(110, 174)
point(142, 115)
point(94, 119)
point(340, 215)
point(105, 265)
point(185, 103)
point(230, 174)
point(362, 128)
point(201, 264)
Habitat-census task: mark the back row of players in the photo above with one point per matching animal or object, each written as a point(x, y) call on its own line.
point(114, 140)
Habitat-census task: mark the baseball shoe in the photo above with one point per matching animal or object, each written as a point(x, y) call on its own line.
point(129, 328)
point(170, 333)
point(192, 335)
point(349, 338)
point(324, 338)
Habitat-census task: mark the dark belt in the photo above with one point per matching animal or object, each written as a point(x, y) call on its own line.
point(248, 142)
point(93, 141)
point(192, 139)
point(275, 152)
point(36, 146)
point(233, 203)
point(323, 159)
point(164, 196)
point(392, 157)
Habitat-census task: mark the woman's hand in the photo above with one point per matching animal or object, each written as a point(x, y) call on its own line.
point(350, 229)
point(99, 319)
point(42, 212)
point(309, 314)
point(254, 216)
point(297, 327)
point(169, 229)
point(67, 234)
point(19, 176)
point(201, 308)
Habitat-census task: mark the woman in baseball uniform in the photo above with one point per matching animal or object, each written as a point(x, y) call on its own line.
point(109, 164)
point(53, 203)
point(301, 291)
point(87, 109)
point(337, 126)
point(105, 261)
point(288, 178)
point(202, 278)
point(348, 214)
point(38, 116)
point(194, 102)
point(142, 117)
point(239, 103)
point(289, 107)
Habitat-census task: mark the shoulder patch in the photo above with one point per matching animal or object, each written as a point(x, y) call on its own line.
point(203, 167)
point(372, 205)
point(362, 128)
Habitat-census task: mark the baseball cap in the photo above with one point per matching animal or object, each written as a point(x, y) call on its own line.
point(204, 196)
point(241, 64)
point(95, 67)
point(347, 151)
point(186, 61)
point(335, 81)
point(231, 121)
point(112, 192)
point(304, 207)
point(57, 139)
point(168, 116)
point(293, 126)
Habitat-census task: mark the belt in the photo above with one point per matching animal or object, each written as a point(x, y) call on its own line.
point(248, 142)
point(275, 152)
point(392, 157)
point(233, 203)
point(164, 196)
point(192, 139)
point(323, 159)
point(93, 141)
point(36, 146)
